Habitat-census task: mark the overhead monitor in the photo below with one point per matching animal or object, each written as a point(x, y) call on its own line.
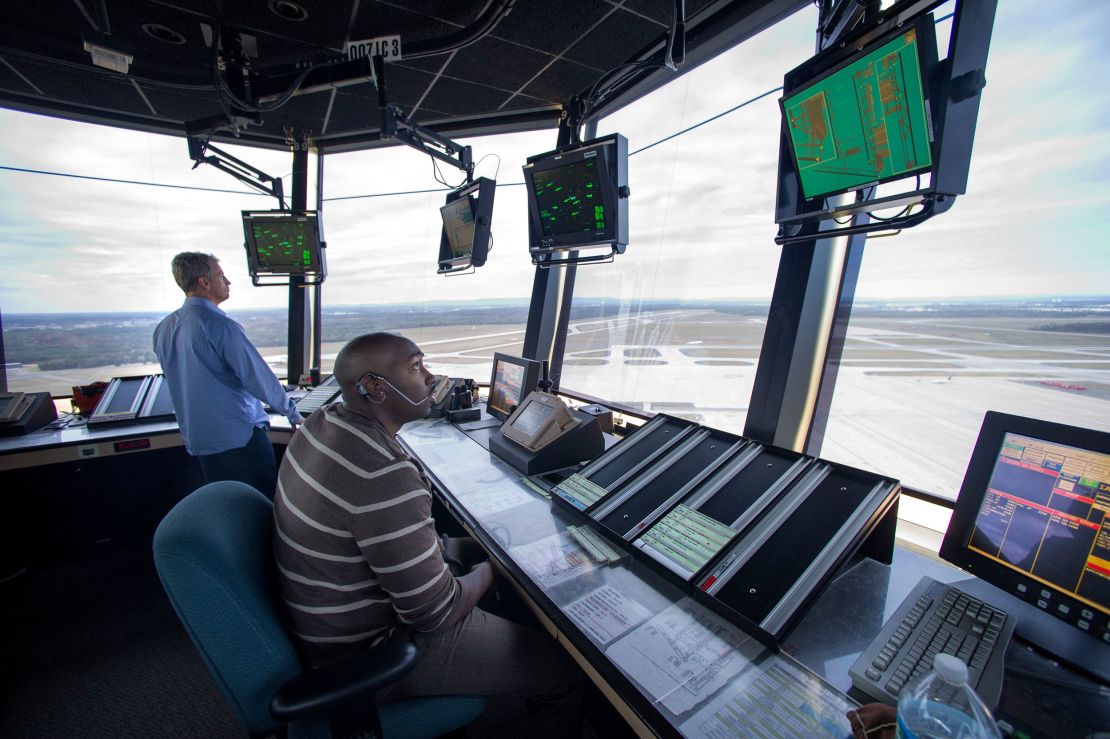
point(865, 121)
point(467, 215)
point(877, 121)
point(512, 379)
point(578, 197)
point(458, 229)
point(283, 243)
point(1033, 520)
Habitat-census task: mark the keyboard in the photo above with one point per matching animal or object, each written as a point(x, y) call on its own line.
point(936, 618)
point(317, 398)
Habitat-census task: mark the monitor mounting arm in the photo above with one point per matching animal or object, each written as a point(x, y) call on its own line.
point(395, 124)
point(201, 151)
point(928, 206)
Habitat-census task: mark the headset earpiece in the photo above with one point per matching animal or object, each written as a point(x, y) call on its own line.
point(366, 393)
point(375, 376)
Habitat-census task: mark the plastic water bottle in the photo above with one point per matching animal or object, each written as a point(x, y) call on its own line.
point(940, 703)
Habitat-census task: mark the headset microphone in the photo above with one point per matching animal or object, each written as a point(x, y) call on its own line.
point(362, 389)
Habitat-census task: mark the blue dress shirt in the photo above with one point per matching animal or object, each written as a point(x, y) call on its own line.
point(216, 378)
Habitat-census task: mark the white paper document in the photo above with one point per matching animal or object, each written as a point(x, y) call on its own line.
point(606, 613)
point(554, 559)
point(494, 498)
point(773, 699)
point(682, 655)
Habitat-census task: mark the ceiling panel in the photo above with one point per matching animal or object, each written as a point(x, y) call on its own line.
point(533, 57)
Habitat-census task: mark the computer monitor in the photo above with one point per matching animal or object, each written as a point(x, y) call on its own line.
point(458, 228)
point(578, 196)
point(282, 243)
point(880, 106)
point(1033, 520)
point(512, 379)
point(866, 120)
point(467, 215)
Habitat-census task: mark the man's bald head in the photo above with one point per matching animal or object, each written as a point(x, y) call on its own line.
point(399, 387)
point(368, 353)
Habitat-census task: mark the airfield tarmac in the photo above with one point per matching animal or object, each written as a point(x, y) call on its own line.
point(909, 397)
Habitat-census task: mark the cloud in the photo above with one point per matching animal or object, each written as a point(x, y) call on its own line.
point(702, 205)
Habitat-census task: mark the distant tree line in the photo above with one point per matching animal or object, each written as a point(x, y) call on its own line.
point(57, 348)
point(68, 341)
point(1091, 327)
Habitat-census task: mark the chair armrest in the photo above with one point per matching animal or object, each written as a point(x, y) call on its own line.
point(354, 679)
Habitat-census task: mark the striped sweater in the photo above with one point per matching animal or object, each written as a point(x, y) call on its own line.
point(356, 547)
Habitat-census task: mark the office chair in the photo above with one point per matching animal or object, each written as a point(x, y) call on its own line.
point(214, 556)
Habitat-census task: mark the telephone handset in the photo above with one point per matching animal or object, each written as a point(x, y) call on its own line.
point(441, 388)
point(538, 421)
point(21, 413)
point(14, 405)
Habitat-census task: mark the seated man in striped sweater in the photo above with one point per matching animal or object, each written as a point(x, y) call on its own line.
point(360, 562)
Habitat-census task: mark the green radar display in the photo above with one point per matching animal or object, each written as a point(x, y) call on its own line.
point(282, 246)
point(569, 199)
point(578, 198)
point(863, 123)
point(283, 243)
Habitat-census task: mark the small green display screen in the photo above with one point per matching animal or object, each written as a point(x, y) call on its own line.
point(863, 123)
point(569, 199)
point(284, 245)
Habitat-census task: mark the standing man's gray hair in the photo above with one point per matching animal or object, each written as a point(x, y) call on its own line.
point(190, 266)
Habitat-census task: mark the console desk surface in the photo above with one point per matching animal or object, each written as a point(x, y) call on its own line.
point(674, 668)
point(670, 665)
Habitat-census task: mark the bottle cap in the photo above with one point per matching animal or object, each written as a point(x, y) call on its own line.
point(951, 668)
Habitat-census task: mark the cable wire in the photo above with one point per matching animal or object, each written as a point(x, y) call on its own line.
point(709, 120)
point(129, 182)
point(496, 169)
point(223, 89)
point(400, 192)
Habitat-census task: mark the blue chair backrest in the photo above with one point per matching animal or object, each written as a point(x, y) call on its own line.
point(214, 556)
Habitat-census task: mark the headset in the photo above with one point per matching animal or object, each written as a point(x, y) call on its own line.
point(375, 376)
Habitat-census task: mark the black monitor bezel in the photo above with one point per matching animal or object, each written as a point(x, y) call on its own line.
point(278, 216)
point(609, 151)
point(954, 547)
point(823, 66)
point(533, 369)
point(480, 193)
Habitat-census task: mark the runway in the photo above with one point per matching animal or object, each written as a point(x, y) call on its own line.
point(910, 393)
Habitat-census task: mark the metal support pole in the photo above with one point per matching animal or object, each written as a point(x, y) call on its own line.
point(318, 289)
point(804, 338)
point(299, 318)
point(3, 360)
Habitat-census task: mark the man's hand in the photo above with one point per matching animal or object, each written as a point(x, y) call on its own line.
point(872, 721)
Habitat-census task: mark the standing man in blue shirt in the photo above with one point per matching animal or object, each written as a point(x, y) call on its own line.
point(217, 378)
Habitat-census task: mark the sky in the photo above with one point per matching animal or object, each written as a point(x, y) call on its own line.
point(1035, 220)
